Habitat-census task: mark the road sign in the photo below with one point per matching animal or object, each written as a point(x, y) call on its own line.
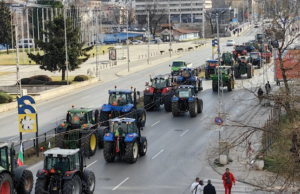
point(219, 121)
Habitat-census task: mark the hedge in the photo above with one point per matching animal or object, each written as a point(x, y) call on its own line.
point(5, 98)
point(58, 83)
point(25, 80)
point(36, 82)
point(44, 78)
point(80, 78)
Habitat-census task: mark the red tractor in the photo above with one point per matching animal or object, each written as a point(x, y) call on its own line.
point(240, 50)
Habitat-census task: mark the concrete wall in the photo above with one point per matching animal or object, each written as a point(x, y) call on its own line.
point(30, 89)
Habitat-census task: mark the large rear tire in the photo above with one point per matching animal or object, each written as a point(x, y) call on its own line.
point(108, 152)
point(214, 87)
point(229, 87)
point(143, 147)
point(206, 74)
point(200, 105)
point(175, 110)
point(168, 102)
point(87, 146)
point(40, 186)
point(72, 186)
point(59, 140)
point(249, 72)
point(193, 108)
point(148, 104)
point(93, 142)
point(131, 152)
point(26, 183)
point(6, 184)
point(90, 183)
point(104, 117)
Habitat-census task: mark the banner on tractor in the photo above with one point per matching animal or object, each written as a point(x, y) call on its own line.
point(291, 62)
point(27, 115)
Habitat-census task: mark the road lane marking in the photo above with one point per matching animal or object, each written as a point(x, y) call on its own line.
point(204, 117)
point(57, 120)
point(57, 107)
point(91, 163)
point(120, 184)
point(155, 123)
point(91, 106)
point(13, 137)
point(85, 97)
point(157, 154)
point(184, 133)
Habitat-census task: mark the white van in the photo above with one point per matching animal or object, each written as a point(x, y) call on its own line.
point(27, 43)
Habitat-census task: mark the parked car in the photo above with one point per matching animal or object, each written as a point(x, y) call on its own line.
point(135, 42)
point(256, 25)
point(230, 42)
point(27, 43)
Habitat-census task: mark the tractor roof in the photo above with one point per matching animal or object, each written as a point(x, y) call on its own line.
point(211, 61)
point(189, 68)
point(186, 86)
point(3, 144)
point(57, 152)
point(160, 77)
point(123, 120)
point(120, 91)
point(179, 61)
point(254, 52)
point(80, 110)
point(224, 67)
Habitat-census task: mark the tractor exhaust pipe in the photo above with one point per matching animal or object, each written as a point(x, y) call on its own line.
point(12, 158)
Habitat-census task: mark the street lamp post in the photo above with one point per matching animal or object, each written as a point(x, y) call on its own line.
point(66, 44)
point(148, 61)
point(127, 41)
point(170, 34)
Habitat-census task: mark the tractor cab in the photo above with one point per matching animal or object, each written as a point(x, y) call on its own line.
point(4, 159)
point(159, 82)
point(210, 67)
point(243, 59)
point(249, 47)
point(120, 97)
point(255, 59)
point(239, 50)
point(81, 117)
point(188, 76)
point(227, 59)
point(185, 91)
point(255, 55)
point(121, 128)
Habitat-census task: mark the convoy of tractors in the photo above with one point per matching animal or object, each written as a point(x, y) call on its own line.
point(116, 126)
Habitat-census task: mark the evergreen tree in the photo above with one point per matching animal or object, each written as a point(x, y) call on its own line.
point(5, 25)
point(54, 58)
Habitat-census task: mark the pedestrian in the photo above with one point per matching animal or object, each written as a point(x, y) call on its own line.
point(234, 32)
point(103, 52)
point(250, 150)
point(228, 179)
point(278, 82)
point(268, 87)
point(196, 187)
point(209, 188)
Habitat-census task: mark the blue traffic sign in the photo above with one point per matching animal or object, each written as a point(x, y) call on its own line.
point(219, 121)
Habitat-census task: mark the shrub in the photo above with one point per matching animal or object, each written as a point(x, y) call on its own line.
point(180, 49)
point(57, 83)
point(36, 82)
point(25, 80)
point(44, 78)
point(5, 98)
point(80, 78)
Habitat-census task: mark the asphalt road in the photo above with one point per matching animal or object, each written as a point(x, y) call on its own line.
point(176, 146)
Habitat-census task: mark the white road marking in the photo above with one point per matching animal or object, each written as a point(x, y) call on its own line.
point(91, 106)
point(204, 117)
point(91, 163)
point(57, 120)
point(184, 133)
point(57, 107)
point(158, 154)
point(155, 123)
point(86, 97)
point(13, 137)
point(120, 184)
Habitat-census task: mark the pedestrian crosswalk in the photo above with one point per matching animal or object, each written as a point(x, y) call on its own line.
point(238, 188)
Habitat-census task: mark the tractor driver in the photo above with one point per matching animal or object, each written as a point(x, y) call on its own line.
point(122, 100)
point(76, 119)
point(120, 131)
point(61, 166)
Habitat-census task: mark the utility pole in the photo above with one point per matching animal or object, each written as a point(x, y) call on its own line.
point(33, 45)
point(43, 22)
point(18, 63)
point(203, 24)
point(27, 22)
point(170, 33)
point(127, 41)
point(66, 45)
point(148, 61)
point(12, 33)
point(96, 39)
point(22, 29)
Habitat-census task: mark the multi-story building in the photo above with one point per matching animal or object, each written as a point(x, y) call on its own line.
point(181, 11)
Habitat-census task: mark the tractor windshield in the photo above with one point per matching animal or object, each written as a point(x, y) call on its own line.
point(59, 165)
point(121, 129)
point(184, 93)
point(78, 118)
point(119, 99)
point(3, 158)
point(159, 83)
point(211, 64)
point(254, 55)
point(178, 64)
point(240, 48)
point(187, 73)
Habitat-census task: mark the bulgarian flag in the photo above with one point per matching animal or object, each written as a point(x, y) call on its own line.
point(20, 159)
point(118, 146)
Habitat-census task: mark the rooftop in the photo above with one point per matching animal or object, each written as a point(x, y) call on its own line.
point(63, 152)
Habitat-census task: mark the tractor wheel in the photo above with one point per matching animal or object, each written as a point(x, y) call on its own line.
point(90, 184)
point(236, 73)
point(108, 151)
point(141, 113)
point(6, 184)
point(175, 110)
point(193, 108)
point(40, 185)
point(59, 140)
point(143, 147)
point(26, 182)
point(131, 151)
point(200, 105)
point(104, 117)
point(206, 74)
point(93, 143)
point(72, 186)
point(214, 87)
point(89, 143)
point(168, 103)
point(229, 87)
point(148, 104)
point(249, 72)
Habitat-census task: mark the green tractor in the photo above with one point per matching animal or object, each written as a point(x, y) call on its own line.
point(13, 179)
point(80, 130)
point(227, 59)
point(243, 66)
point(227, 76)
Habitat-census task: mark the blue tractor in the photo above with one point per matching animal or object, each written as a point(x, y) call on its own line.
point(188, 76)
point(121, 103)
point(185, 100)
point(124, 140)
point(255, 59)
point(210, 68)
